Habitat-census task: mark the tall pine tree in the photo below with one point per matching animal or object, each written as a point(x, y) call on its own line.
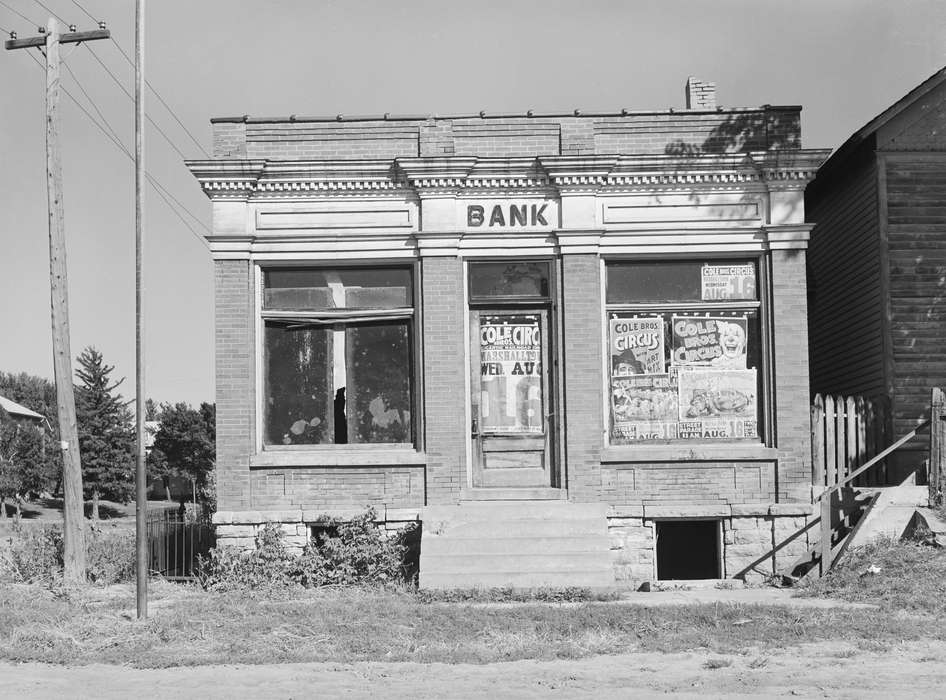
point(106, 436)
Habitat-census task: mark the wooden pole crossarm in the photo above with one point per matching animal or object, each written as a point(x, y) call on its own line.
point(67, 38)
point(857, 472)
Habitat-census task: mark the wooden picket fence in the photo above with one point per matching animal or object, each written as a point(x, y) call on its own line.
point(846, 432)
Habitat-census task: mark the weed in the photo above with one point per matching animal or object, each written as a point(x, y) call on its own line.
point(349, 553)
point(714, 664)
point(911, 577)
point(35, 555)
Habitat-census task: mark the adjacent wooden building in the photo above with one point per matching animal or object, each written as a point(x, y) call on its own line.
point(877, 263)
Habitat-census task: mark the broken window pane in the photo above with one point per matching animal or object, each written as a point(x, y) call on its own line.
point(297, 393)
point(331, 380)
point(379, 383)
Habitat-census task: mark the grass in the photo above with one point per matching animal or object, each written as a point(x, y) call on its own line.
point(191, 627)
point(912, 578)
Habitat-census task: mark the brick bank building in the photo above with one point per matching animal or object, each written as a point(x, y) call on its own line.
point(574, 346)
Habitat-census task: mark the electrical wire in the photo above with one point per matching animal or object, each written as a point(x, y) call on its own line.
point(85, 11)
point(16, 12)
point(5, 31)
point(91, 101)
point(51, 12)
point(160, 99)
point(148, 83)
point(159, 188)
point(131, 97)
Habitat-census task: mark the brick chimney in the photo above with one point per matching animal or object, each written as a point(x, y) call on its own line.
point(700, 94)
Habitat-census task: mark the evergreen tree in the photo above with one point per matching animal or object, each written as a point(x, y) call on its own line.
point(184, 445)
point(106, 434)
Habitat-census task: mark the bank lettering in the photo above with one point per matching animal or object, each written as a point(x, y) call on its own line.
point(508, 216)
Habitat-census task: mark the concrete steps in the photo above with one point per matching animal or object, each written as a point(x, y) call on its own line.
point(493, 544)
point(893, 512)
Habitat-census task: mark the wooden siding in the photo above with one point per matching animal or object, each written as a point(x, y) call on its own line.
point(845, 317)
point(916, 235)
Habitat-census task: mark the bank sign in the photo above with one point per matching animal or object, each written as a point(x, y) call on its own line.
point(497, 216)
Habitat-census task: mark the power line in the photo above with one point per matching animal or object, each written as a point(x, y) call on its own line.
point(85, 11)
point(5, 31)
point(159, 188)
point(17, 12)
point(160, 99)
point(130, 97)
point(91, 101)
point(148, 83)
point(51, 12)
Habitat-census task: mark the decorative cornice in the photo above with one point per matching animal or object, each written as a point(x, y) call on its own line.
point(451, 176)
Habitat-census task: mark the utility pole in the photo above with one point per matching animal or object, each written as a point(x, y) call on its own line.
point(73, 525)
point(141, 477)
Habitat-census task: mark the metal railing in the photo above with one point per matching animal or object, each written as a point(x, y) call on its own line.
point(175, 541)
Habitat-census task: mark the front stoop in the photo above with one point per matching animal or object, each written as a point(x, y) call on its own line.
point(498, 544)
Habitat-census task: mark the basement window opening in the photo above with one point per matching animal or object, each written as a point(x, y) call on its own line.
point(688, 550)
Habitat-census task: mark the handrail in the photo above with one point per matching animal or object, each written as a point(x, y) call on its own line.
point(871, 462)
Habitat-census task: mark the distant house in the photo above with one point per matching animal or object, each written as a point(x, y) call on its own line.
point(19, 412)
point(877, 262)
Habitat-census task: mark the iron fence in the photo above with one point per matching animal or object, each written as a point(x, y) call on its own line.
point(175, 541)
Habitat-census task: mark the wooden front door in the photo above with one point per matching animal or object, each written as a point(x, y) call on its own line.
point(511, 397)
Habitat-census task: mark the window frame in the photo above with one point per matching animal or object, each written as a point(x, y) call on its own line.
point(334, 452)
point(762, 305)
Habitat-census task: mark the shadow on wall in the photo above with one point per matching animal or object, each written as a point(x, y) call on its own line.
point(745, 133)
point(771, 131)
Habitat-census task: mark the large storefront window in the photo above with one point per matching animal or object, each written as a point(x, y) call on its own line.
point(338, 359)
point(685, 351)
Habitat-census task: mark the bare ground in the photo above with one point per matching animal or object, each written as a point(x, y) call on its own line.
point(836, 670)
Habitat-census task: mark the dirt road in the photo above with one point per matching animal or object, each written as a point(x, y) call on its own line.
point(813, 670)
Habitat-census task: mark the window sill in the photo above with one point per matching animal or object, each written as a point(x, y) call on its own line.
point(371, 457)
point(729, 452)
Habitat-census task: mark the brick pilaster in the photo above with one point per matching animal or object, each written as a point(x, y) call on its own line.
point(792, 398)
point(444, 378)
point(234, 378)
point(582, 332)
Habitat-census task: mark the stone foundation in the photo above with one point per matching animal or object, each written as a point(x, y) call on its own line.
point(238, 529)
point(757, 540)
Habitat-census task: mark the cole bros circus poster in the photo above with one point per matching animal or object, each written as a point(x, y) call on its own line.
point(511, 374)
point(700, 389)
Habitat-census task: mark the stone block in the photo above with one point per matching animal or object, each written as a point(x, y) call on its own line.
point(237, 543)
point(226, 531)
point(222, 517)
point(760, 538)
point(246, 517)
point(746, 551)
point(791, 509)
point(688, 511)
point(625, 512)
point(749, 509)
point(282, 516)
point(749, 523)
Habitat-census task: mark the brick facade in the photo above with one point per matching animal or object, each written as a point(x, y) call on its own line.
point(362, 190)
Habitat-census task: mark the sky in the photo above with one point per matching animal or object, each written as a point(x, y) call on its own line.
point(844, 61)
